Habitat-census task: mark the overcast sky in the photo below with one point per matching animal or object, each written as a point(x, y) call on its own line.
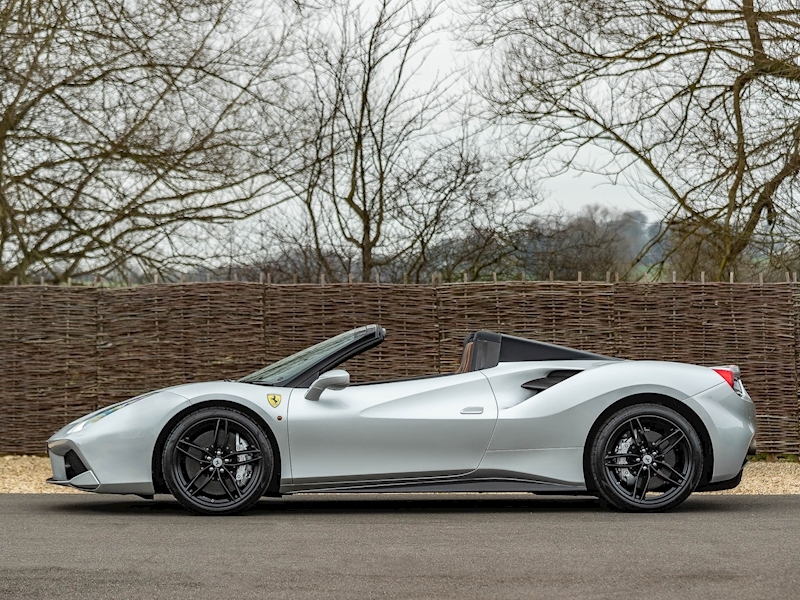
point(568, 191)
point(574, 189)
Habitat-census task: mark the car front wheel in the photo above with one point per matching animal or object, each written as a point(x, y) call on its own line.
point(217, 461)
point(646, 457)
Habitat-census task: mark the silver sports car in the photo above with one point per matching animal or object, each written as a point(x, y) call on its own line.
point(518, 415)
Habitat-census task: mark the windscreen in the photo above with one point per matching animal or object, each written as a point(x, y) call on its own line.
point(290, 367)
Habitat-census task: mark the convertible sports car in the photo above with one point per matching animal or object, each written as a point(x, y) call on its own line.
point(518, 415)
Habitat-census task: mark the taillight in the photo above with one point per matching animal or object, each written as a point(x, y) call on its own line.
point(728, 375)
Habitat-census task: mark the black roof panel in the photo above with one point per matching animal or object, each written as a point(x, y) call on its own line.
point(515, 349)
point(491, 348)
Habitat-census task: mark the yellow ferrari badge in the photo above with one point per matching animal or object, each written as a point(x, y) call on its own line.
point(274, 400)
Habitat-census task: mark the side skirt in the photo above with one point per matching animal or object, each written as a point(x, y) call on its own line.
point(475, 482)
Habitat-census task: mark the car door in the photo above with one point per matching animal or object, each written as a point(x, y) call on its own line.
point(415, 428)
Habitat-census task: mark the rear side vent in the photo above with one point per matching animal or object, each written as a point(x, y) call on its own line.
point(553, 377)
point(73, 465)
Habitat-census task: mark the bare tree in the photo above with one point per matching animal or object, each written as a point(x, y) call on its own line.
point(695, 101)
point(122, 123)
point(692, 254)
point(594, 241)
point(387, 168)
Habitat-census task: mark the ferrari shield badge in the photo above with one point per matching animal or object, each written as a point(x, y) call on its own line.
point(274, 400)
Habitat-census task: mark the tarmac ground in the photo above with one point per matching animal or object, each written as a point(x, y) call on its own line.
point(426, 546)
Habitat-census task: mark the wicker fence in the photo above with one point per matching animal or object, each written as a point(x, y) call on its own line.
point(66, 350)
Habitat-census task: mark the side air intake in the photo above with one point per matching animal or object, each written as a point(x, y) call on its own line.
point(552, 378)
point(73, 464)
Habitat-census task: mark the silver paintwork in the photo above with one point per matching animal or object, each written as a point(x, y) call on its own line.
point(392, 430)
point(472, 431)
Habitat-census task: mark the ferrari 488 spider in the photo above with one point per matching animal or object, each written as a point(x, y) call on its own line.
point(518, 415)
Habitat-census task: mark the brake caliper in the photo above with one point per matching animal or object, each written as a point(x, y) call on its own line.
point(243, 472)
point(622, 448)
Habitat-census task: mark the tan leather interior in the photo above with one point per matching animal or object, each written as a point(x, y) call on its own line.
point(466, 359)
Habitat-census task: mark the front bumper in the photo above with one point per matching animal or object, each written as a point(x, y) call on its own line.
point(69, 468)
point(115, 454)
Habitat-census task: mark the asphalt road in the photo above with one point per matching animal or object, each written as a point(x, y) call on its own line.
point(416, 546)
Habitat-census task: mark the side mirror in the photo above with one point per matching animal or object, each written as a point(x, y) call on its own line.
point(334, 380)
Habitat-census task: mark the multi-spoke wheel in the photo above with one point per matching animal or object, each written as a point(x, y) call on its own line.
point(217, 461)
point(646, 457)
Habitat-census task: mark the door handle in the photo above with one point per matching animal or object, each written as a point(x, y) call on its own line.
point(472, 410)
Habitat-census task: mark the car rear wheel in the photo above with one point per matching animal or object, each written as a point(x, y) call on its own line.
point(217, 461)
point(646, 457)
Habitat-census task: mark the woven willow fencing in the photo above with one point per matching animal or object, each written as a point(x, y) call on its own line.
point(66, 351)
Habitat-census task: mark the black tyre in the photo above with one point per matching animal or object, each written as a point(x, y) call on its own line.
point(217, 461)
point(646, 457)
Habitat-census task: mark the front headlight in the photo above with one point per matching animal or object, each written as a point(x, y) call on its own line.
point(96, 416)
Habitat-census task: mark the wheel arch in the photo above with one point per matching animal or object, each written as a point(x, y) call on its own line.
point(650, 398)
point(160, 485)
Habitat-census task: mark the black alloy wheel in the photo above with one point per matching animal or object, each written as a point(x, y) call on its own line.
point(646, 457)
point(217, 461)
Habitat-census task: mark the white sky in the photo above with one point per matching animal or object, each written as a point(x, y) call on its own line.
point(574, 189)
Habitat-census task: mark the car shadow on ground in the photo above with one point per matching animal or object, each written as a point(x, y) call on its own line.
point(388, 504)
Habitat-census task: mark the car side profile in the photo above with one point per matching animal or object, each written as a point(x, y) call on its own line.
point(517, 416)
